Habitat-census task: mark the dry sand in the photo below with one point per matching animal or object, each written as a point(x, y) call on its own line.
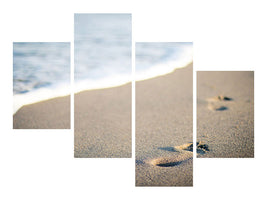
point(164, 120)
point(102, 123)
point(225, 113)
point(49, 114)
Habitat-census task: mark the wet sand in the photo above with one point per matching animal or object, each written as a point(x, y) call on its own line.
point(49, 114)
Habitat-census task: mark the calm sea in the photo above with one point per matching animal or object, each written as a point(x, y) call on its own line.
point(102, 58)
point(41, 70)
point(102, 50)
point(158, 58)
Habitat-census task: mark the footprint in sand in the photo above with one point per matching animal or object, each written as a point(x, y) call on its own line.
point(185, 152)
point(216, 107)
point(220, 98)
point(212, 105)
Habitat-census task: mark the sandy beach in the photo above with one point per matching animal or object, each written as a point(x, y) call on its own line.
point(49, 114)
point(164, 123)
point(102, 121)
point(102, 124)
point(225, 113)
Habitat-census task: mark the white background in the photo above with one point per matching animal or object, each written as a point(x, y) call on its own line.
point(39, 164)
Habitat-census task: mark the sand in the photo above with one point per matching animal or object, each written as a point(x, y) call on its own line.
point(164, 122)
point(102, 126)
point(49, 114)
point(225, 113)
point(102, 123)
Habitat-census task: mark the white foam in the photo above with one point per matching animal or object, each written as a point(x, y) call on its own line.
point(109, 82)
point(166, 67)
point(42, 94)
point(38, 95)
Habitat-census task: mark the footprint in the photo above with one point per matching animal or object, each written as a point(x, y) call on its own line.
point(220, 98)
point(212, 105)
point(201, 147)
point(185, 152)
point(170, 161)
point(216, 107)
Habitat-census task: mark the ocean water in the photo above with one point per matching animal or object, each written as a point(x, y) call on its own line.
point(102, 50)
point(102, 58)
point(159, 58)
point(41, 70)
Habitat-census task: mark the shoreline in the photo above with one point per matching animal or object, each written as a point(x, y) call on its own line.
point(52, 94)
point(48, 114)
point(103, 117)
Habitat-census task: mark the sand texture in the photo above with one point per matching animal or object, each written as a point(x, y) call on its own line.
point(225, 113)
point(49, 114)
point(102, 123)
point(164, 127)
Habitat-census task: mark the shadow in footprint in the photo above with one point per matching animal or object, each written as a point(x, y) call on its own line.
point(170, 161)
point(217, 108)
point(201, 148)
point(200, 151)
point(172, 149)
point(170, 164)
point(220, 98)
point(221, 108)
point(224, 98)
